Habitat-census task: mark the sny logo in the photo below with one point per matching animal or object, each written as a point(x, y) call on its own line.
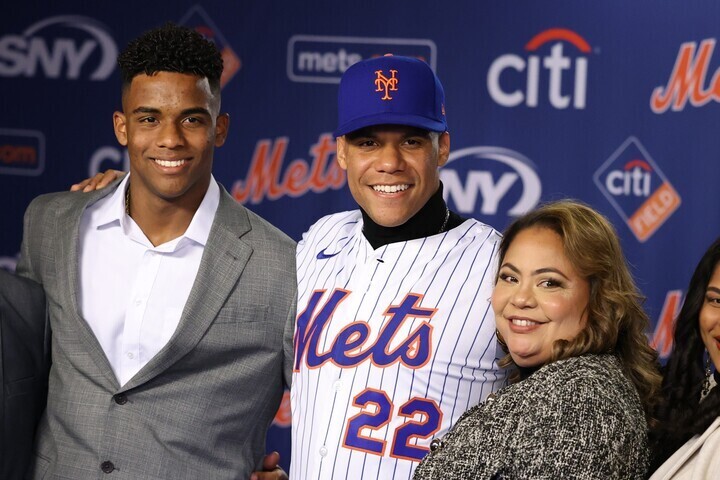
point(53, 43)
point(386, 84)
point(557, 63)
point(493, 173)
point(637, 188)
point(686, 80)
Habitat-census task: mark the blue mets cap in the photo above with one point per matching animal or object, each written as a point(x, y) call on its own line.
point(390, 90)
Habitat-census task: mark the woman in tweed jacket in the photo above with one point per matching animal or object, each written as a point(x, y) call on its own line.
point(569, 315)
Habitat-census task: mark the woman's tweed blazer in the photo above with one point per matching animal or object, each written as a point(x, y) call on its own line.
point(579, 418)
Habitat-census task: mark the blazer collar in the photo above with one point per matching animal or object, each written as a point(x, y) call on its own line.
point(223, 262)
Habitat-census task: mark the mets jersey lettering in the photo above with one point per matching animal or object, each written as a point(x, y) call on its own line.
point(391, 346)
point(348, 350)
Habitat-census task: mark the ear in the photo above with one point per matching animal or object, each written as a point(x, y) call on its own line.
point(341, 153)
point(222, 124)
point(443, 148)
point(120, 126)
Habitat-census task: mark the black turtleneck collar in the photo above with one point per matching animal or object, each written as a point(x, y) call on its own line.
point(427, 222)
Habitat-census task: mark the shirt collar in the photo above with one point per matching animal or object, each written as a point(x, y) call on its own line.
point(113, 211)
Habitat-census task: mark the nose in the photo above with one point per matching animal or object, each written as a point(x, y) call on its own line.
point(170, 135)
point(522, 296)
point(390, 160)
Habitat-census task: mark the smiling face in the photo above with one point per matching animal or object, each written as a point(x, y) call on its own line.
point(170, 126)
point(710, 318)
point(392, 170)
point(539, 297)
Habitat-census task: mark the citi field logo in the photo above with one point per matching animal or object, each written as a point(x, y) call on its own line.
point(385, 84)
point(22, 152)
point(514, 80)
point(686, 82)
point(632, 182)
point(487, 180)
point(198, 19)
point(323, 59)
point(67, 47)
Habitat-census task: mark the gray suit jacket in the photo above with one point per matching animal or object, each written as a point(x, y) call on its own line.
point(201, 407)
point(24, 363)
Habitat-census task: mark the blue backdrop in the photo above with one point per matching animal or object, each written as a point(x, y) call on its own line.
point(610, 102)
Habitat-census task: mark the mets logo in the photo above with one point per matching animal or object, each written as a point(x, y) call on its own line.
point(637, 188)
point(386, 84)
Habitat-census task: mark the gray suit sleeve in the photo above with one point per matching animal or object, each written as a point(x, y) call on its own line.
point(288, 347)
point(24, 266)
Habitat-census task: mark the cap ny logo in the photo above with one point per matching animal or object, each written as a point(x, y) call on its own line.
point(386, 84)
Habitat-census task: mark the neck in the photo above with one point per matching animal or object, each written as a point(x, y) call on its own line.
point(159, 219)
point(433, 218)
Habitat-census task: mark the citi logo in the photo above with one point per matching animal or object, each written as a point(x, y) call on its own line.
point(565, 77)
point(66, 46)
point(482, 180)
point(632, 179)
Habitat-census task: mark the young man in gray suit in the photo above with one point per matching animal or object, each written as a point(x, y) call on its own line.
point(171, 306)
point(24, 363)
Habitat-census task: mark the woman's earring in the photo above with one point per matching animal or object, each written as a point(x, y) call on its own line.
point(706, 381)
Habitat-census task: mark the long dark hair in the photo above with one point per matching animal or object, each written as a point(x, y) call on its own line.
point(680, 413)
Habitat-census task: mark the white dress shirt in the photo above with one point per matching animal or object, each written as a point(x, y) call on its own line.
point(132, 293)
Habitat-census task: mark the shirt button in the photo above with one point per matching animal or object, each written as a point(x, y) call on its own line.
point(130, 355)
point(435, 444)
point(337, 386)
point(138, 302)
point(107, 467)
point(323, 451)
point(120, 398)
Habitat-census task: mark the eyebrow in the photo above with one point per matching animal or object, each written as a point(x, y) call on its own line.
point(713, 289)
point(187, 111)
point(536, 272)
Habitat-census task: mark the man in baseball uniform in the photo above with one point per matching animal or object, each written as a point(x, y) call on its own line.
point(395, 337)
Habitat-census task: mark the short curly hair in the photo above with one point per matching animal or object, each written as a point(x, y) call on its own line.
point(171, 48)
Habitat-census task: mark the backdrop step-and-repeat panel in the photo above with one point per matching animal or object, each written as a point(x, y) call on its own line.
point(614, 103)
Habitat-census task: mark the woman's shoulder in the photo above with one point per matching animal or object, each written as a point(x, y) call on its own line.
point(596, 379)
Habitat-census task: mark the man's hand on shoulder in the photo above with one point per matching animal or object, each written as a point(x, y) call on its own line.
point(271, 469)
point(98, 182)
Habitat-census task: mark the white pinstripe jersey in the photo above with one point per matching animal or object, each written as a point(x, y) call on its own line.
point(391, 346)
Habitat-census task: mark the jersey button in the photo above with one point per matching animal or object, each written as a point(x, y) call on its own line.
point(323, 451)
point(107, 467)
point(337, 386)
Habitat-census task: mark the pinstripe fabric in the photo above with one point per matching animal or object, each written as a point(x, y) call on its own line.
point(200, 408)
point(451, 275)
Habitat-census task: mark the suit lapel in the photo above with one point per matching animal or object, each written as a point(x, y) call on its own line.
point(223, 261)
point(67, 267)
